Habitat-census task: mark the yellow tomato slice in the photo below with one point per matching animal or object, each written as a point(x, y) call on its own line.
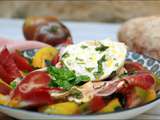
point(46, 53)
point(66, 108)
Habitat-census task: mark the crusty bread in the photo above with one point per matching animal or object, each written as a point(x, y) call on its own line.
point(142, 35)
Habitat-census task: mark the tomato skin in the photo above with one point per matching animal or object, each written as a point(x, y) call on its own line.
point(55, 60)
point(131, 100)
point(133, 66)
point(97, 103)
point(8, 68)
point(31, 89)
point(5, 89)
point(37, 97)
point(46, 29)
point(21, 62)
point(143, 80)
point(34, 80)
point(126, 90)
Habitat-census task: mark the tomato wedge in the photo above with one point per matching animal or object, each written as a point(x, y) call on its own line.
point(133, 66)
point(55, 60)
point(8, 68)
point(142, 79)
point(37, 97)
point(97, 103)
point(31, 89)
point(5, 89)
point(21, 62)
point(132, 100)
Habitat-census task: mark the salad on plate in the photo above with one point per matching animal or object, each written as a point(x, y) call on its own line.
point(65, 78)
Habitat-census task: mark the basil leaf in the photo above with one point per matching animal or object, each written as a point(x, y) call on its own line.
point(13, 84)
point(82, 78)
point(65, 78)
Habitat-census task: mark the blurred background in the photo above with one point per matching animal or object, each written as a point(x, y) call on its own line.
point(82, 10)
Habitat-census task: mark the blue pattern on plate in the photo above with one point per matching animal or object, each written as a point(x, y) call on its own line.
point(148, 62)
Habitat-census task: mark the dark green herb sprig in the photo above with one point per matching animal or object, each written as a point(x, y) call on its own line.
point(65, 78)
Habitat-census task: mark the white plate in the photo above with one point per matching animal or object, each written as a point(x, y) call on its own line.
point(125, 114)
point(12, 29)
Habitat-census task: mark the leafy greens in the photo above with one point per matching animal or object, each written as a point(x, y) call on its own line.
point(65, 78)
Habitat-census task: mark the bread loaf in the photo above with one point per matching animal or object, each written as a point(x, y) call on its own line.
point(142, 35)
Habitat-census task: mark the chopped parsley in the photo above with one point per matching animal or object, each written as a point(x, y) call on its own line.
point(76, 93)
point(157, 78)
point(65, 55)
point(89, 69)
point(84, 46)
point(101, 48)
point(116, 65)
point(123, 75)
point(65, 78)
point(13, 84)
point(80, 61)
point(100, 67)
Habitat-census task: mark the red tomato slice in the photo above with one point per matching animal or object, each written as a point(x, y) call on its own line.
point(141, 79)
point(55, 60)
point(132, 100)
point(31, 90)
point(21, 62)
point(33, 80)
point(126, 90)
point(4, 88)
point(97, 103)
point(8, 68)
point(37, 97)
point(133, 66)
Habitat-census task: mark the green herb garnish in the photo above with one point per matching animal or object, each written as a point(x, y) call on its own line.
point(100, 67)
point(101, 48)
point(13, 84)
point(65, 78)
point(116, 65)
point(80, 61)
point(25, 72)
point(89, 69)
point(76, 93)
point(65, 55)
point(123, 75)
point(84, 46)
point(157, 78)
